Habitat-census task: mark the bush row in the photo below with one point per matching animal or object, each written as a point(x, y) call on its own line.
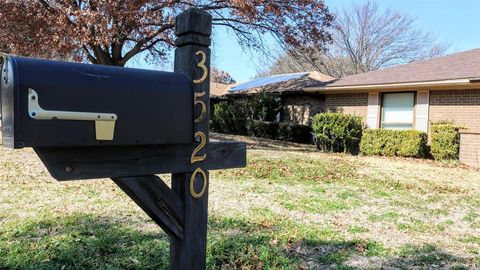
point(263, 106)
point(403, 143)
point(336, 132)
point(263, 129)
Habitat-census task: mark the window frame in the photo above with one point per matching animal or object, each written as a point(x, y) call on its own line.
point(382, 111)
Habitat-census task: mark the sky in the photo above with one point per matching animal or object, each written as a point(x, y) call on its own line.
point(454, 22)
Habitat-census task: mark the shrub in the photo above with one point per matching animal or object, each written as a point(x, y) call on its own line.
point(264, 106)
point(279, 131)
point(247, 117)
point(221, 115)
point(225, 119)
point(445, 143)
point(385, 142)
point(262, 129)
point(295, 133)
point(337, 132)
point(268, 130)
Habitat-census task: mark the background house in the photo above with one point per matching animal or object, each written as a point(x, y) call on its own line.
point(298, 105)
point(218, 93)
point(407, 96)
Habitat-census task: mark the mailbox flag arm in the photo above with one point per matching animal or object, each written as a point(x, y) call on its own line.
point(104, 122)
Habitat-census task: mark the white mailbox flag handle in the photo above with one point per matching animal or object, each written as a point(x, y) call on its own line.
point(104, 122)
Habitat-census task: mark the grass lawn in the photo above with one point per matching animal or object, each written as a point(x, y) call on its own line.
point(291, 208)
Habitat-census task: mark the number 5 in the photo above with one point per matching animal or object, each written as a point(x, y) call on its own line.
point(202, 104)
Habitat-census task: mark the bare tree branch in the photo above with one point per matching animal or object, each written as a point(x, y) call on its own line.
point(365, 38)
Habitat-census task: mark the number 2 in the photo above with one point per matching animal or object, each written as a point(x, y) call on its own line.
point(203, 142)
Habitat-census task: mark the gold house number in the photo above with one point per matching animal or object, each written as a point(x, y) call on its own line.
point(202, 66)
point(203, 138)
point(195, 194)
point(203, 142)
point(202, 104)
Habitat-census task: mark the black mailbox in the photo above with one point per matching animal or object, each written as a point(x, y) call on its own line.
point(54, 104)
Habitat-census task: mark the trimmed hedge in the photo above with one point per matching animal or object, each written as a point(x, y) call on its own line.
point(445, 143)
point(248, 117)
point(229, 126)
point(295, 133)
point(402, 143)
point(337, 132)
point(225, 119)
point(262, 129)
point(268, 130)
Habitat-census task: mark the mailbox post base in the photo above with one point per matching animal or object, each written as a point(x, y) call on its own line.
point(190, 252)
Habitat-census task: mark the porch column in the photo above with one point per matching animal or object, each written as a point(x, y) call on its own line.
point(373, 110)
point(421, 112)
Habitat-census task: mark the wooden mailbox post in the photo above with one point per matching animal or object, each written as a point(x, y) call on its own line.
point(181, 211)
point(192, 56)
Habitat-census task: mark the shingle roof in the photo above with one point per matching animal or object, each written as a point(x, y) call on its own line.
point(219, 89)
point(461, 65)
point(282, 83)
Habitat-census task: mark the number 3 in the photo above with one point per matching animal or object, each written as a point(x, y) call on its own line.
point(202, 66)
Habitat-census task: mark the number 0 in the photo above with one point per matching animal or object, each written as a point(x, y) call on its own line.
point(195, 194)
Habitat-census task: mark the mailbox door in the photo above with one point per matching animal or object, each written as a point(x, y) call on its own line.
point(55, 104)
point(7, 101)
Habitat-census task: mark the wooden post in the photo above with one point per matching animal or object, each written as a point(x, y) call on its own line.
point(192, 57)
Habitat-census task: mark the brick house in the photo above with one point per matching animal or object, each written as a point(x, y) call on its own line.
point(409, 96)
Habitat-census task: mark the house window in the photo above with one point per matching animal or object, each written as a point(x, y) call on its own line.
point(397, 111)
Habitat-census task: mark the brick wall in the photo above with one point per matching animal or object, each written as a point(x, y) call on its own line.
point(459, 106)
point(470, 149)
point(463, 108)
point(300, 109)
point(351, 103)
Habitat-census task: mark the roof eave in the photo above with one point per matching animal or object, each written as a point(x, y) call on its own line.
point(398, 86)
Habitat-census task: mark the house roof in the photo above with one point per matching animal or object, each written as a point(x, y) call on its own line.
point(463, 65)
point(219, 89)
point(457, 71)
point(280, 83)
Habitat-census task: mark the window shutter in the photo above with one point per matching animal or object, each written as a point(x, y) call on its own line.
point(372, 111)
point(421, 119)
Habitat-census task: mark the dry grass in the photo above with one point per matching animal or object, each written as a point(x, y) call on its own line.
point(291, 208)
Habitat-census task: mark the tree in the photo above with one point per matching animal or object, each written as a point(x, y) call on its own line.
point(220, 76)
point(111, 32)
point(365, 38)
